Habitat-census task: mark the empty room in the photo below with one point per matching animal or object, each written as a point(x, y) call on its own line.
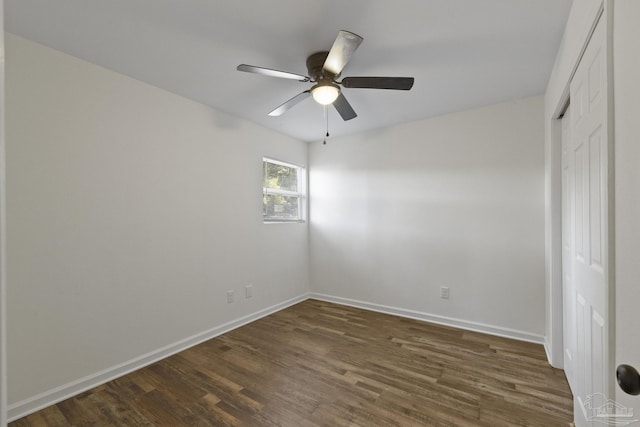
point(319, 213)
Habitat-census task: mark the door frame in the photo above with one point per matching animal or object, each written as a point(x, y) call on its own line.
point(554, 221)
point(3, 236)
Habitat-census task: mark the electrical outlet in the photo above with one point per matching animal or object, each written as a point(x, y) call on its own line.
point(248, 291)
point(229, 297)
point(444, 292)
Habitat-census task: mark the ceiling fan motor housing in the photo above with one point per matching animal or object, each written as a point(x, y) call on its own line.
point(314, 66)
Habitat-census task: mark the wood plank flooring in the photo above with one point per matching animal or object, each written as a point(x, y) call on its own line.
point(322, 364)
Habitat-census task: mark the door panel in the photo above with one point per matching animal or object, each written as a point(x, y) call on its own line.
point(587, 218)
point(595, 198)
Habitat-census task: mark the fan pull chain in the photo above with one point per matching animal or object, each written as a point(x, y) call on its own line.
point(326, 116)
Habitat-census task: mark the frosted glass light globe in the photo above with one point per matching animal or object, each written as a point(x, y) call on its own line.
point(325, 94)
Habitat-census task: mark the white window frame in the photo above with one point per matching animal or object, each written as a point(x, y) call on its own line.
point(300, 194)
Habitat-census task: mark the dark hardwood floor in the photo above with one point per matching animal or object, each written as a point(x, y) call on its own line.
point(322, 364)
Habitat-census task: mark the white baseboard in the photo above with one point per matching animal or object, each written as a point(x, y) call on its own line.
point(58, 394)
point(547, 351)
point(434, 318)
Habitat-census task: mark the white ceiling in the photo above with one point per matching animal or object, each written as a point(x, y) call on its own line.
point(462, 53)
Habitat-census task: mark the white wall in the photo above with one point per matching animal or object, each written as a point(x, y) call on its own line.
point(580, 23)
point(131, 211)
point(626, 34)
point(454, 201)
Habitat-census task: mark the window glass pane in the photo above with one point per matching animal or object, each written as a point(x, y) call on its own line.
point(277, 207)
point(280, 177)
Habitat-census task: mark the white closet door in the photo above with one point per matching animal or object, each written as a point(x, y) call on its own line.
point(588, 171)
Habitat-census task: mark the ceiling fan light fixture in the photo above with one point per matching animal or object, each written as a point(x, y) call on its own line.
point(324, 68)
point(325, 94)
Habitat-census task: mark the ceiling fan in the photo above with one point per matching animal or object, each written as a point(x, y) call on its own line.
point(324, 68)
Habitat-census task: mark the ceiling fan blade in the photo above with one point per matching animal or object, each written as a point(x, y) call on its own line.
point(346, 43)
point(344, 108)
point(290, 103)
point(397, 83)
point(272, 73)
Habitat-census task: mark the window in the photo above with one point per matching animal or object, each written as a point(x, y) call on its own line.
point(283, 191)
